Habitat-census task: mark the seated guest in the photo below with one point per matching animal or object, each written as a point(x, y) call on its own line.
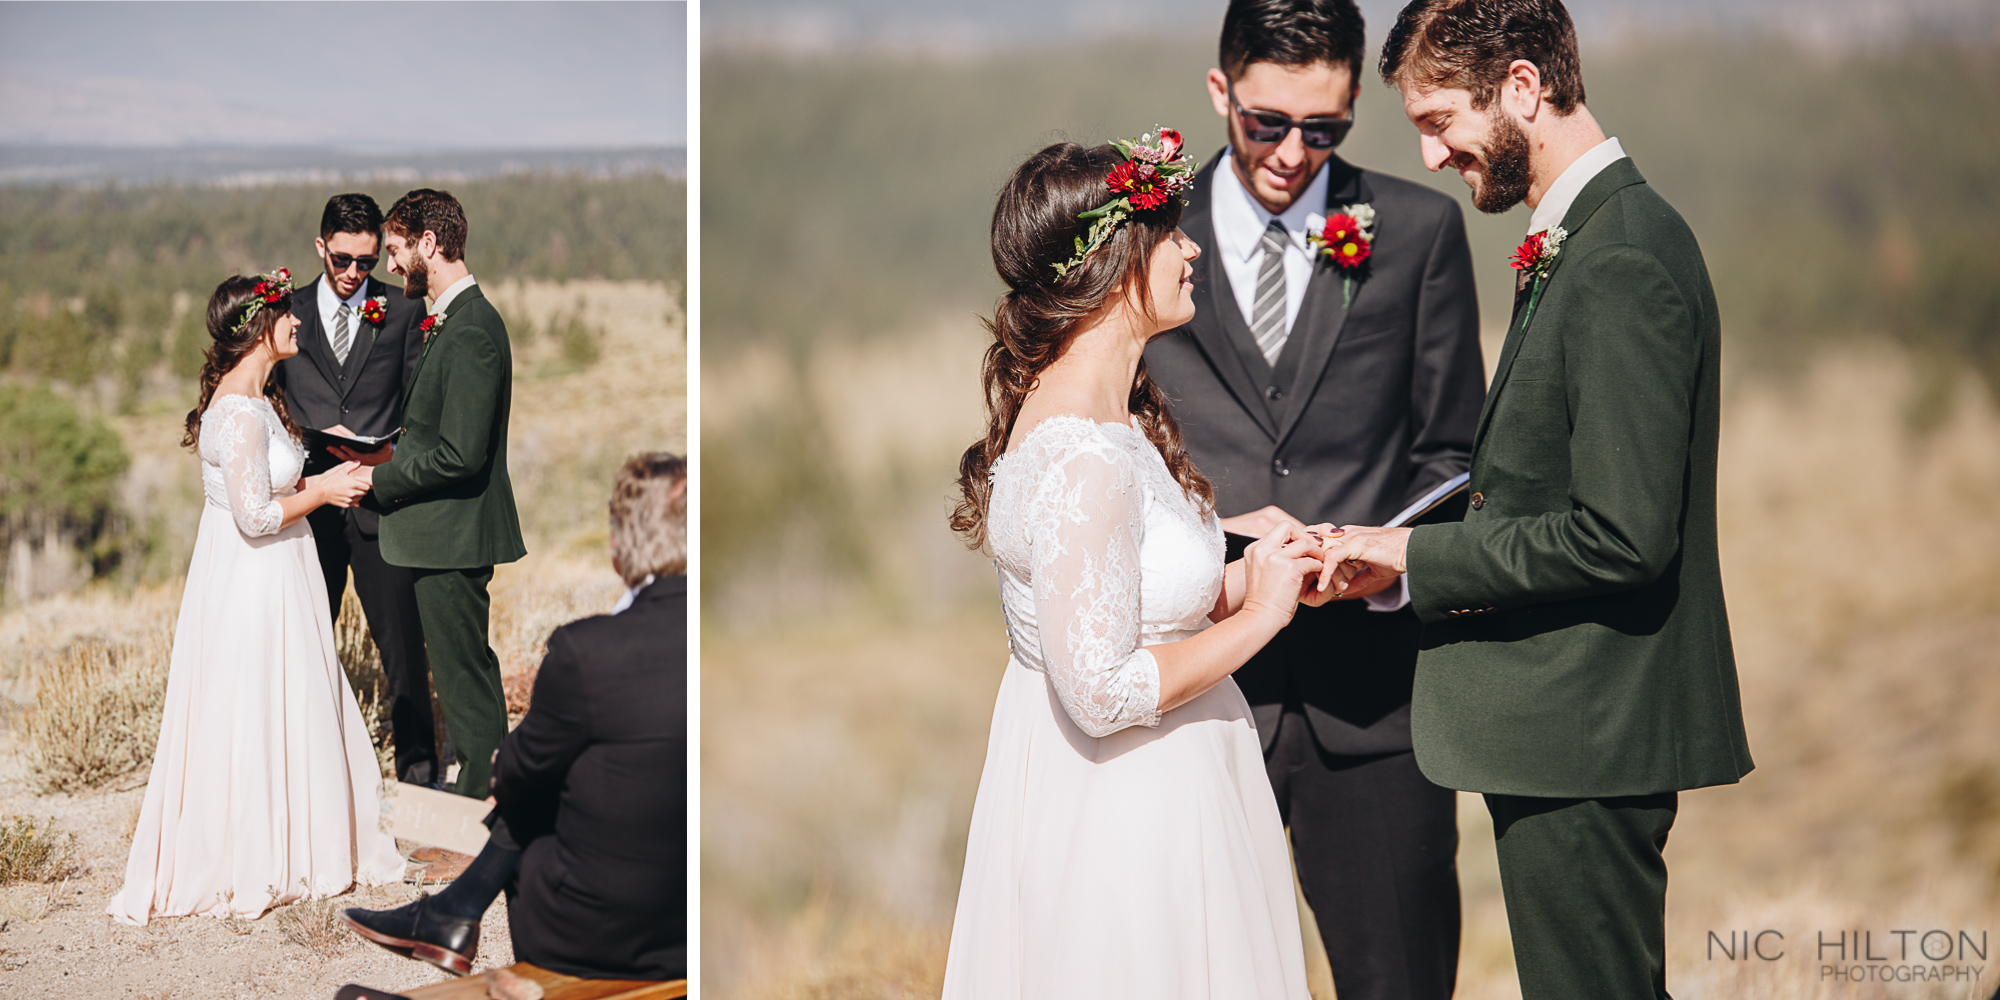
point(589, 830)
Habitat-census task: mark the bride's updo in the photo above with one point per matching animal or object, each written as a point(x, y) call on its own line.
point(1035, 228)
point(233, 340)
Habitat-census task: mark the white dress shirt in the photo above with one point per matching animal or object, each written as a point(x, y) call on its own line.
point(1240, 220)
point(444, 298)
point(631, 595)
point(1562, 194)
point(329, 307)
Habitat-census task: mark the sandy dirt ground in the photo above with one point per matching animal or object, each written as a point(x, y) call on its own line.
point(57, 944)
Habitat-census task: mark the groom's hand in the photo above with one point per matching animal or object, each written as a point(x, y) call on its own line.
point(1360, 555)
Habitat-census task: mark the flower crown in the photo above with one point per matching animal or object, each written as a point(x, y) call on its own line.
point(1155, 169)
point(271, 288)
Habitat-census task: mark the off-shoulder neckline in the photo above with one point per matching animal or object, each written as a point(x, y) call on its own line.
point(216, 400)
point(1131, 426)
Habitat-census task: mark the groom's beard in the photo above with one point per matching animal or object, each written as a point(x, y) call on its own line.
point(416, 278)
point(1504, 182)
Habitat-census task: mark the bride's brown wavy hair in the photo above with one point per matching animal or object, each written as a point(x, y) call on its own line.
point(232, 344)
point(1035, 227)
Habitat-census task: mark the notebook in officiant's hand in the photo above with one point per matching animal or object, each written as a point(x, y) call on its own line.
point(356, 442)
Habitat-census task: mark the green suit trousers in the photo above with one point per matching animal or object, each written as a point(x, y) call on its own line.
point(1586, 890)
point(454, 604)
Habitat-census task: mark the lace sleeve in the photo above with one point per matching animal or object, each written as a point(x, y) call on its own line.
point(245, 455)
point(1084, 529)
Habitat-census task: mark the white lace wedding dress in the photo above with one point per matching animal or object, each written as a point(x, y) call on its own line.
point(264, 788)
point(1114, 851)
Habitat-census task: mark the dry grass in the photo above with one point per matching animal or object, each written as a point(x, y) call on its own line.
point(97, 710)
point(362, 663)
point(315, 927)
point(1862, 561)
point(32, 852)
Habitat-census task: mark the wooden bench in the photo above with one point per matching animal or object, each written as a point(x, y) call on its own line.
point(555, 986)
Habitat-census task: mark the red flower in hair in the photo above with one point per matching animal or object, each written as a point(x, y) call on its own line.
point(1170, 143)
point(1140, 183)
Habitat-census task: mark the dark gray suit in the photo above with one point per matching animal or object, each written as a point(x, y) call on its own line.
point(1369, 406)
point(365, 394)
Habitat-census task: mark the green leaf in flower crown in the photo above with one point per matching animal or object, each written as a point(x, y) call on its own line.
point(1106, 209)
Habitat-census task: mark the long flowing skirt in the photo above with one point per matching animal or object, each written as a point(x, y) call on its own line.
point(1148, 864)
point(264, 787)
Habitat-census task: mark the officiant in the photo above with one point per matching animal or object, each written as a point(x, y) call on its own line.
point(1331, 373)
point(358, 349)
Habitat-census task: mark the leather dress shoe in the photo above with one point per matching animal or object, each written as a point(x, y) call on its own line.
point(416, 930)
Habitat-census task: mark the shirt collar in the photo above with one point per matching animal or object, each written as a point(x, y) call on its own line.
point(444, 298)
point(1556, 202)
point(632, 595)
point(329, 300)
point(1240, 219)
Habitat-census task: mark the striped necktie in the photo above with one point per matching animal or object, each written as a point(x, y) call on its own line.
point(1267, 315)
point(342, 339)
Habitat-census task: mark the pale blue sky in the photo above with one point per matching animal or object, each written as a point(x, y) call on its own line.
point(523, 74)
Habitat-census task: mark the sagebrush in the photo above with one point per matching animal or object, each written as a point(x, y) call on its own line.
point(97, 710)
point(35, 852)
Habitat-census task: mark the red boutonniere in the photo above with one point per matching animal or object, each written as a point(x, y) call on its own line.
point(1538, 251)
point(375, 310)
point(1346, 238)
point(1533, 258)
point(430, 324)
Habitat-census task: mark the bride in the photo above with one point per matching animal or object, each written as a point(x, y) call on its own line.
point(1125, 841)
point(264, 788)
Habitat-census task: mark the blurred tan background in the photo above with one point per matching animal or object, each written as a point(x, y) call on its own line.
point(1836, 162)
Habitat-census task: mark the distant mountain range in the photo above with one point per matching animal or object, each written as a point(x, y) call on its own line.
point(974, 25)
point(251, 167)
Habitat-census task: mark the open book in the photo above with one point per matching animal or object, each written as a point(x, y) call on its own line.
point(1431, 501)
point(358, 442)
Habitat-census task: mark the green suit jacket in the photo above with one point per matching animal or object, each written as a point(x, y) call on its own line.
point(1576, 641)
point(447, 500)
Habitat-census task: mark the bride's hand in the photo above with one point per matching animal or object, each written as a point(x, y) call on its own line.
point(1276, 569)
point(339, 485)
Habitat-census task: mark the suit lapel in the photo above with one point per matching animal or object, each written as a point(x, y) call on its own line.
point(1618, 175)
point(1322, 315)
point(1218, 328)
point(312, 336)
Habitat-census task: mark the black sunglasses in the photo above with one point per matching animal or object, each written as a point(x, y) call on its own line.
point(1270, 128)
point(341, 262)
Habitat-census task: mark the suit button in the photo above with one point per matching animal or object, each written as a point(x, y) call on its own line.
point(1274, 394)
point(1278, 466)
point(1478, 500)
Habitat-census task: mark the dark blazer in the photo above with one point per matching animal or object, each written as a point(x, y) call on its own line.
point(366, 393)
point(596, 773)
point(449, 502)
point(1370, 406)
point(1578, 642)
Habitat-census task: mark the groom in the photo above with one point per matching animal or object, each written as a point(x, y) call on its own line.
point(1304, 388)
point(450, 507)
point(1577, 665)
point(358, 345)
